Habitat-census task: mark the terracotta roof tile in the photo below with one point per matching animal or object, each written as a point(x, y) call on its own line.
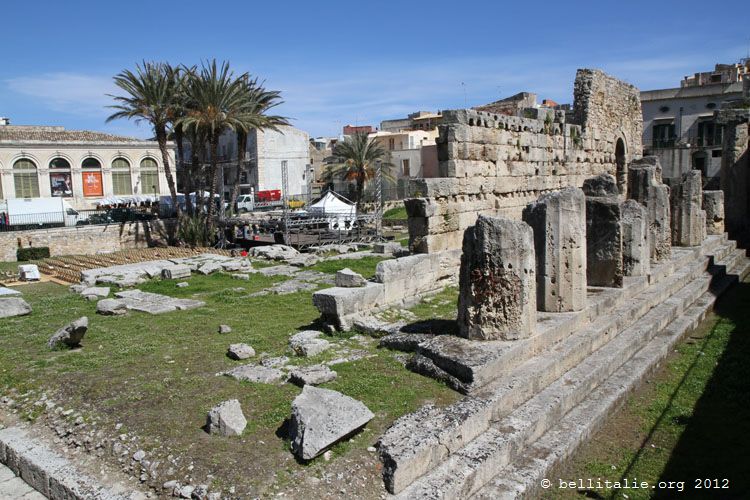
point(57, 134)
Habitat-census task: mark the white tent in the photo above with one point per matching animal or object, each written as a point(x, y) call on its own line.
point(333, 205)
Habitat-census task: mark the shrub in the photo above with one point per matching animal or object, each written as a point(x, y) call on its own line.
point(193, 231)
point(32, 253)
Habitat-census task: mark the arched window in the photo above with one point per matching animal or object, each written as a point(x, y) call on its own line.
point(60, 181)
point(121, 185)
point(92, 177)
point(26, 179)
point(149, 176)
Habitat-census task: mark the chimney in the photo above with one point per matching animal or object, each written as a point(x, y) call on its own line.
point(4, 121)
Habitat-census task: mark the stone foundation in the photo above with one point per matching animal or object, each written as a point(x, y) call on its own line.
point(645, 186)
point(688, 218)
point(636, 248)
point(604, 241)
point(713, 205)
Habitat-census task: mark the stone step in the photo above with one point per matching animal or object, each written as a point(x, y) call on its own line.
point(469, 468)
point(522, 477)
point(467, 365)
point(418, 442)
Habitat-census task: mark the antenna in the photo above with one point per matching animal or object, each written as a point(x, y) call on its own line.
point(465, 100)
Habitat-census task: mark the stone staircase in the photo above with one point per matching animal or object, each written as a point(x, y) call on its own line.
point(531, 402)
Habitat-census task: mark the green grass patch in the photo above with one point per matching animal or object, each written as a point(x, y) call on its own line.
point(364, 266)
point(398, 213)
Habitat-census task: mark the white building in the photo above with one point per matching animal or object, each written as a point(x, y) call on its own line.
point(83, 166)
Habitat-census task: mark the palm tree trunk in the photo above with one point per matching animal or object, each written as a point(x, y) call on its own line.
point(360, 187)
point(213, 178)
point(241, 147)
point(179, 138)
point(161, 138)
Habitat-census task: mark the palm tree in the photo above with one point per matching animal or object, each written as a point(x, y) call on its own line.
point(149, 96)
point(216, 105)
point(356, 158)
point(257, 102)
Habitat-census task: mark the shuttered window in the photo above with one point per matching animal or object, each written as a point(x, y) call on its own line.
point(121, 181)
point(149, 176)
point(26, 179)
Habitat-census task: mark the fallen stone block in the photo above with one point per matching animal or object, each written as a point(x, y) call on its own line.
point(388, 248)
point(175, 272)
point(28, 272)
point(240, 351)
point(322, 417)
point(13, 306)
point(373, 326)
point(225, 329)
point(182, 284)
point(255, 373)
point(96, 291)
point(209, 268)
point(111, 307)
point(226, 419)
point(9, 292)
point(308, 343)
point(347, 278)
point(407, 342)
point(241, 276)
point(274, 252)
point(312, 375)
point(70, 335)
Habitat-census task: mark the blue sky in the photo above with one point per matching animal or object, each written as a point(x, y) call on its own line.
point(354, 62)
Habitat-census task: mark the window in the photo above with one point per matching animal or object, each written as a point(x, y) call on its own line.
point(663, 135)
point(121, 184)
point(391, 144)
point(149, 176)
point(25, 179)
point(405, 164)
point(60, 181)
point(92, 177)
point(709, 133)
point(91, 163)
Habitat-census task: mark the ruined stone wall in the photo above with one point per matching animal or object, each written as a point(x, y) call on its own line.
point(492, 164)
point(83, 239)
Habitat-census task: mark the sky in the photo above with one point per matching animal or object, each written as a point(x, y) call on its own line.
point(353, 62)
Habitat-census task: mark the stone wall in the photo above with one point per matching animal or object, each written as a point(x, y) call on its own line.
point(495, 165)
point(84, 239)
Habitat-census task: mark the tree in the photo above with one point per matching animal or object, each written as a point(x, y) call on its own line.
point(217, 103)
point(149, 96)
point(257, 102)
point(356, 158)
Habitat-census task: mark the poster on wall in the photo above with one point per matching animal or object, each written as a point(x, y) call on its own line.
point(92, 184)
point(61, 184)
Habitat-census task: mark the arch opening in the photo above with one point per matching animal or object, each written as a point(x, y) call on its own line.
point(621, 173)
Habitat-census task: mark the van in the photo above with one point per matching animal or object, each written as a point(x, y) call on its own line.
point(41, 212)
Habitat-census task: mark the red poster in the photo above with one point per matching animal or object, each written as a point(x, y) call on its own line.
point(92, 184)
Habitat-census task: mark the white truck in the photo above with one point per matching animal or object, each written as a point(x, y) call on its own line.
point(40, 212)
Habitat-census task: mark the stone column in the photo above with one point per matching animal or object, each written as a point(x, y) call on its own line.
point(688, 218)
point(603, 232)
point(497, 299)
point(713, 205)
point(636, 247)
point(558, 220)
point(645, 186)
point(735, 162)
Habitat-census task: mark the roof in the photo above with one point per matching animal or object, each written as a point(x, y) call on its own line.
point(28, 133)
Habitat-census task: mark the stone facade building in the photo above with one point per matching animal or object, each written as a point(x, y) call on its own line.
point(83, 166)
point(494, 164)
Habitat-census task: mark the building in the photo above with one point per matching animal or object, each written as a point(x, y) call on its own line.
point(357, 129)
point(421, 120)
point(412, 154)
point(265, 151)
point(83, 166)
point(519, 104)
point(679, 125)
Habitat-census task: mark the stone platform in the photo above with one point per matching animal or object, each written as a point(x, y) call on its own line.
point(572, 372)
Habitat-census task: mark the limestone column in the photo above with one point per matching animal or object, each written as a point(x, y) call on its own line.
point(497, 299)
point(645, 186)
point(558, 220)
point(735, 163)
point(688, 218)
point(713, 205)
point(603, 232)
point(636, 249)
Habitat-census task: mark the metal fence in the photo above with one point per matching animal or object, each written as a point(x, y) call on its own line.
point(71, 218)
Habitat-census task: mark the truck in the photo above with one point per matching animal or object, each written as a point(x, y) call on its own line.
point(40, 212)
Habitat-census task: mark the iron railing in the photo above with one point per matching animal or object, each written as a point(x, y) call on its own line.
point(71, 218)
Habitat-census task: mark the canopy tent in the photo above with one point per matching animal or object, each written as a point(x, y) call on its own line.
point(333, 205)
point(127, 200)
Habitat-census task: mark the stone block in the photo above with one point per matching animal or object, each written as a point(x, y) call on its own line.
point(688, 217)
point(636, 248)
point(13, 306)
point(713, 205)
point(601, 185)
point(603, 241)
point(497, 298)
point(175, 272)
point(558, 220)
point(347, 278)
point(226, 419)
point(28, 272)
point(645, 187)
point(70, 335)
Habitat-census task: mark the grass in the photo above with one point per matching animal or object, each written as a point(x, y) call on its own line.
point(364, 266)
point(398, 213)
point(156, 374)
point(691, 421)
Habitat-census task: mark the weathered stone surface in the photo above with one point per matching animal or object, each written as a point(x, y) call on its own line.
point(226, 419)
point(96, 291)
point(388, 248)
point(373, 326)
point(604, 241)
point(349, 279)
point(111, 307)
point(240, 351)
point(713, 205)
point(402, 341)
point(279, 271)
point(70, 335)
point(154, 303)
point(182, 284)
point(312, 375)
point(308, 343)
point(274, 252)
point(645, 186)
point(497, 297)
point(601, 185)
point(255, 373)
point(322, 417)
point(688, 218)
point(13, 306)
point(304, 260)
point(734, 177)
point(209, 268)
point(175, 272)
point(558, 220)
point(636, 251)
point(8, 292)
point(28, 272)
point(225, 329)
